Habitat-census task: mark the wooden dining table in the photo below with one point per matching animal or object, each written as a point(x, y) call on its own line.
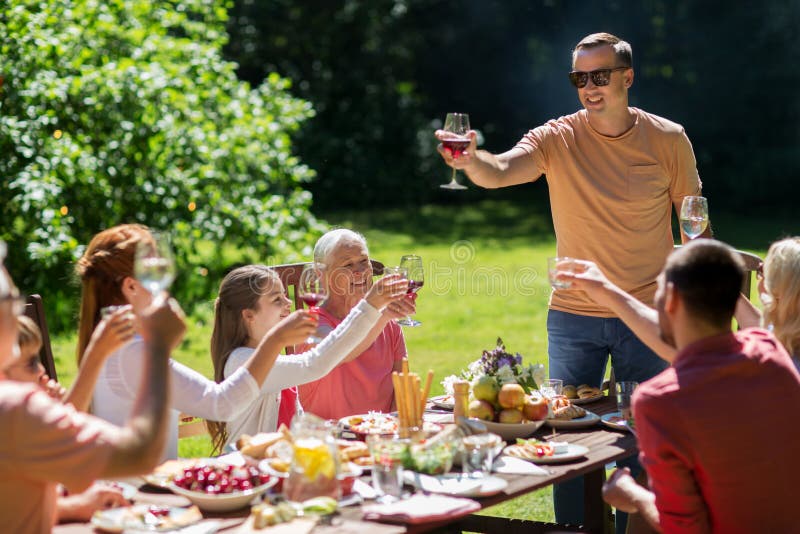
point(605, 445)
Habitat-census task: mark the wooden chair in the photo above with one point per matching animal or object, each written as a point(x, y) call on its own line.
point(34, 308)
point(290, 276)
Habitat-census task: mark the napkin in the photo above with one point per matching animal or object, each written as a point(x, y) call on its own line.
point(516, 466)
point(421, 508)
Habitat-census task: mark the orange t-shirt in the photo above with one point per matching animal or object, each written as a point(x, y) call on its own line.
point(360, 385)
point(612, 198)
point(44, 442)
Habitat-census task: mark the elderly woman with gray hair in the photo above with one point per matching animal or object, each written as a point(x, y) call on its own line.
point(363, 381)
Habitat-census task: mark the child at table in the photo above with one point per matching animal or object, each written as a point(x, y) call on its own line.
point(28, 368)
point(251, 301)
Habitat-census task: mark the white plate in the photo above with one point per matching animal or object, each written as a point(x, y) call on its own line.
point(587, 400)
point(509, 431)
point(614, 420)
point(444, 402)
point(573, 452)
point(589, 419)
point(131, 519)
point(456, 484)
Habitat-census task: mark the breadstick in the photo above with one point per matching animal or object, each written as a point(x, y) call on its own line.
point(427, 390)
point(415, 392)
point(405, 366)
point(398, 399)
point(409, 398)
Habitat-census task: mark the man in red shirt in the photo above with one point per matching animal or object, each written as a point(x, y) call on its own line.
point(715, 431)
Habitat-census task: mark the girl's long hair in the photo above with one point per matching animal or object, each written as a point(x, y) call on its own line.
point(782, 282)
point(107, 261)
point(240, 290)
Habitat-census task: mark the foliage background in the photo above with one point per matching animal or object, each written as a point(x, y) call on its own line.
point(127, 112)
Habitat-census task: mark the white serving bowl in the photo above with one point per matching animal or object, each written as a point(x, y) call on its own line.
point(509, 431)
point(222, 502)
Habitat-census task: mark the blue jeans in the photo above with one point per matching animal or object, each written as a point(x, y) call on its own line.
point(578, 348)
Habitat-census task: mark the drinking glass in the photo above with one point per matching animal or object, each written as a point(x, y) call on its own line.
point(551, 387)
point(154, 264)
point(694, 216)
point(556, 264)
point(387, 470)
point(458, 125)
point(479, 452)
point(416, 279)
point(624, 392)
point(312, 292)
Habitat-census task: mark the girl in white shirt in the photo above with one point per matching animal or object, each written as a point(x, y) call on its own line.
point(106, 273)
point(251, 301)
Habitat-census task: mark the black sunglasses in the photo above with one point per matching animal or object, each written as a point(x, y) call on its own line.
point(600, 77)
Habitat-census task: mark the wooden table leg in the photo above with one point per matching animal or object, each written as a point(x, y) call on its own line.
point(597, 516)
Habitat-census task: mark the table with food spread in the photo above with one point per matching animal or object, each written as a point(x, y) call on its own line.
point(558, 450)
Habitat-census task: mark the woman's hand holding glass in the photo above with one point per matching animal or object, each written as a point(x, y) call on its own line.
point(387, 291)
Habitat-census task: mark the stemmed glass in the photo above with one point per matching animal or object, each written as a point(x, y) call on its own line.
point(416, 279)
point(694, 216)
point(312, 292)
point(458, 125)
point(154, 263)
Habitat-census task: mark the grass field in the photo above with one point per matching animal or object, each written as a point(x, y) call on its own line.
point(485, 277)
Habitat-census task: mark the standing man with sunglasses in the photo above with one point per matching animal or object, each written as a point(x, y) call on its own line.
point(614, 174)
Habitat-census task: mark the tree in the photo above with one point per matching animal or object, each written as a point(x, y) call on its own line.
point(124, 111)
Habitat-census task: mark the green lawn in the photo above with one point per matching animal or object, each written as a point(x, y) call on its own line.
point(485, 277)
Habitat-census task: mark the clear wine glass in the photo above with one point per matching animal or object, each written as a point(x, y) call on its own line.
point(694, 216)
point(154, 263)
point(458, 125)
point(312, 292)
point(416, 279)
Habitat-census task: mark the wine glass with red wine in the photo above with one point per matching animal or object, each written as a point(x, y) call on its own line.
point(416, 279)
point(457, 124)
point(312, 292)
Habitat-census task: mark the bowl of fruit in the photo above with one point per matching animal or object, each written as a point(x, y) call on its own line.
point(508, 411)
point(218, 487)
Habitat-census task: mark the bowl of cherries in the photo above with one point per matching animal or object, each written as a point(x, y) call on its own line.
point(218, 487)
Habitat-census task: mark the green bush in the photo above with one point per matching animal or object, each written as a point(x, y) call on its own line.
point(123, 111)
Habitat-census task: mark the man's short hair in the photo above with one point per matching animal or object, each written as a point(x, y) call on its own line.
point(708, 276)
point(622, 49)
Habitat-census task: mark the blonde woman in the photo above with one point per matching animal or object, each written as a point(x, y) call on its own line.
point(251, 301)
point(779, 290)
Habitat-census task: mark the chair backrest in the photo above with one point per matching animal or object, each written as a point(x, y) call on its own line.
point(751, 263)
point(34, 308)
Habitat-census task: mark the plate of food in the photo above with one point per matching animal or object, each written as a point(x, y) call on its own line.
point(445, 402)
point(575, 418)
point(616, 421)
point(370, 423)
point(583, 394)
point(545, 452)
point(145, 517)
point(457, 484)
point(356, 452)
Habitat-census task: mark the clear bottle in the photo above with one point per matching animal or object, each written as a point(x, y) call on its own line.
point(315, 462)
